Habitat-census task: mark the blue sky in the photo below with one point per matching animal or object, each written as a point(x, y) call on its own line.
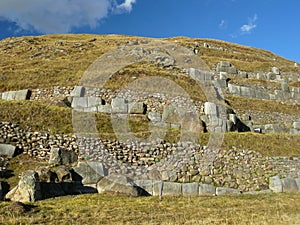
point(273, 25)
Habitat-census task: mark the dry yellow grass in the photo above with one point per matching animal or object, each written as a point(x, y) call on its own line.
point(45, 61)
point(107, 209)
point(242, 103)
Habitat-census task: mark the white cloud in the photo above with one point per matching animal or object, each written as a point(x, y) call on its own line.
point(247, 28)
point(58, 16)
point(223, 24)
point(127, 5)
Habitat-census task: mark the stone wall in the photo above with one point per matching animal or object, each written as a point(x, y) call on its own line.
point(244, 170)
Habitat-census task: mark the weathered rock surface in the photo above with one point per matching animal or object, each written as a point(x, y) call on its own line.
point(28, 188)
point(137, 108)
point(60, 156)
point(78, 91)
point(190, 189)
point(119, 184)
point(147, 185)
point(90, 172)
point(289, 185)
point(207, 189)
point(275, 184)
point(226, 191)
point(8, 150)
point(172, 188)
point(63, 173)
point(16, 95)
point(119, 105)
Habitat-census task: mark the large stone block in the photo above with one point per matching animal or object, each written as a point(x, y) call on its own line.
point(234, 89)
point(294, 131)
point(223, 76)
point(271, 76)
point(295, 95)
point(278, 94)
point(78, 91)
point(91, 109)
point(172, 114)
point(247, 92)
point(8, 150)
point(90, 172)
point(158, 188)
point(104, 108)
point(119, 105)
point(60, 156)
point(172, 189)
point(232, 70)
point(120, 184)
point(22, 95)
point(220, 83)
point(94, 101)
point(285, 87)
point(11, 95)
point(295, 89)
point(137, 108)
point(226, 191)
point(275, 70)
point(262, 95)
point(261, 76)
point(169, 176)
point(225, 64)
point(272, 128)
point(275, 184)
point(207, 189)
point(289, 185)
point(210, 108)
point(268, 191)
point(62, 173)
point(243, 74)
point(296, 125)
point(28, 188)
point(154, 116)
point(147, 185)
point(200, 75)
point(80, 102)
point(190, 188)
point(4, 95)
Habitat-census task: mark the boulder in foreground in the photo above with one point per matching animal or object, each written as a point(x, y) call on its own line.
point(120, 184)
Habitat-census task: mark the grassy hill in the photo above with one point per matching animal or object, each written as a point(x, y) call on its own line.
point(60, 60)
point(44, 61)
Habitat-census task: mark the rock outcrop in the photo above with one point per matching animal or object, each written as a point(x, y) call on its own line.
point(28, 188)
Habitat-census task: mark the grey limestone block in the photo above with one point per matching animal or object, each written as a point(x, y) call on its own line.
point(275, 184)
point(190, 188)
point(226, 191)
point(172, 189)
